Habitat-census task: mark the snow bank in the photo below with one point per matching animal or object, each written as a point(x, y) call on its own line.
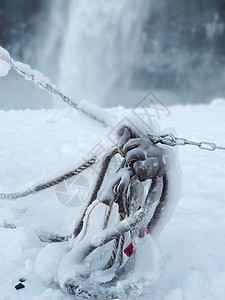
point(49, 294)
point(192, 260)
point(47, 262)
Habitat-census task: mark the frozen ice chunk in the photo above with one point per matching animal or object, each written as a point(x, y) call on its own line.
point(47, 261)
point(4, 66)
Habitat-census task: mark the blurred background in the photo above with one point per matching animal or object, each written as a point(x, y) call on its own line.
point(112, 52)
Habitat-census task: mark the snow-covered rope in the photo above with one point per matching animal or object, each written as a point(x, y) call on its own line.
point(115, 231)
point(85, 247)
point(161, 205)
point(103, 169)
point(43, 186)
point(44, 83)
point(36, 77)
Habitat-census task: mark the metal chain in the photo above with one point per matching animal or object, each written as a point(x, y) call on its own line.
point(170, 140)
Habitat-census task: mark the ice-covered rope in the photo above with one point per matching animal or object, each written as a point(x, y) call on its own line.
point(100, 178)
point(87, 246)
point(160, 206)
point(44, 83)
point(119, 241)
point(40, 187)
point(77, 285)
point(125, 225)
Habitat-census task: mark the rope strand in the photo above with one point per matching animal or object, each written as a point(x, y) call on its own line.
point(31, 75)
point(48, 184)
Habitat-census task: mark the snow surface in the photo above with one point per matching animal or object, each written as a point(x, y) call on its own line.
point(35, 144)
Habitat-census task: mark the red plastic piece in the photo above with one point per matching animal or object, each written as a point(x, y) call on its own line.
point(129, 250)
point(142, 232)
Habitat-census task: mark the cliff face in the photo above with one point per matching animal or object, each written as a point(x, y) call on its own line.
point(19, 22)
point(184, 47)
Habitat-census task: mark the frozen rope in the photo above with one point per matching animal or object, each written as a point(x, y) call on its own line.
point(119, 241)
point(106, 235)
point(41, 81)
point(160, 206)
point(45, 237)
point(101, 176)
point(40, 187)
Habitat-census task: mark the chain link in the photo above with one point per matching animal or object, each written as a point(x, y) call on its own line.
point(170, 140)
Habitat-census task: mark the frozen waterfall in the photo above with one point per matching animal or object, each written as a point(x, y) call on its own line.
point(101, 43)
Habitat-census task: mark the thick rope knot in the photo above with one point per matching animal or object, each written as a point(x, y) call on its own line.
point(142, 155)
point(142, 160)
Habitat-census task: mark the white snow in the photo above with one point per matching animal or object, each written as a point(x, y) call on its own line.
point(4, 66)
point(46, 264)
point(96, 112)
point(147, 262)
point(30, 74)
point(35, 144)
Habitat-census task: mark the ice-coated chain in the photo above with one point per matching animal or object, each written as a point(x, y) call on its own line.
point(170, 140)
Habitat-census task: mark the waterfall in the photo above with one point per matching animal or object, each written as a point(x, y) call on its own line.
point(111, 52)
point(101, 45)
point(49, 54)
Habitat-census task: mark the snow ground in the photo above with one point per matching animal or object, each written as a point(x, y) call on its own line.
point(39, 143)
